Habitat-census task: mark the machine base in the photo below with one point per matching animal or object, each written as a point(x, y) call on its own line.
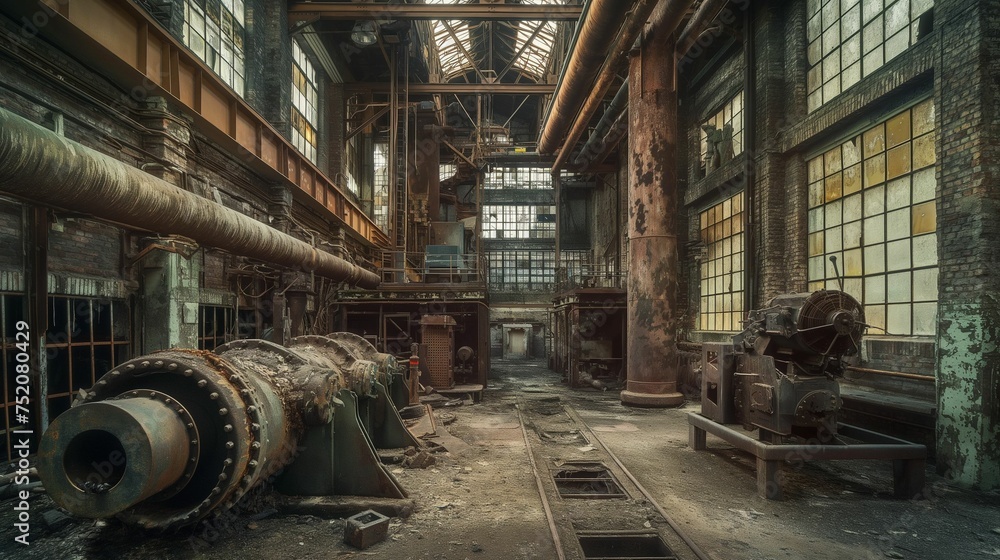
point(651, 400)
point(908, 459)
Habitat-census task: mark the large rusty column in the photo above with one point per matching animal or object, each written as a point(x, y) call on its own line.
point(652, 208)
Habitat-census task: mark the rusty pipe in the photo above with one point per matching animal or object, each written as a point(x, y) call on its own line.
point(596, 143)
point(118, 453)
point(900, 374)
point(665, 15)
point(595, 32)
point(44, 168)
point(703, 17)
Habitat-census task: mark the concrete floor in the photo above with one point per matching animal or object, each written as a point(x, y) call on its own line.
point(481, 501)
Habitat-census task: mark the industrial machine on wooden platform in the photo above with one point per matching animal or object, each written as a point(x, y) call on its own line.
point(166, 439)
point(779, 377)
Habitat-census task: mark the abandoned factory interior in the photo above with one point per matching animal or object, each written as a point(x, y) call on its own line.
point(500, 279)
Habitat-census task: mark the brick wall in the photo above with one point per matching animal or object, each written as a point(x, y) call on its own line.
point(85, 247)
point(784, 135)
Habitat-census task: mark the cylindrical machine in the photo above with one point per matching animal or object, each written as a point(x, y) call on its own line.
point(163, 440)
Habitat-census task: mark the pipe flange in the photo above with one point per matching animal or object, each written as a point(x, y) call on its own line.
point(248, 392)
point(202, 373)
point(192, 431)
point(290, 356)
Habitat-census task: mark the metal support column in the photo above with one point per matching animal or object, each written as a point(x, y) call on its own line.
point(653, 359)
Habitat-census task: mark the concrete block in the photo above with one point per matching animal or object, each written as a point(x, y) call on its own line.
point(365, 529)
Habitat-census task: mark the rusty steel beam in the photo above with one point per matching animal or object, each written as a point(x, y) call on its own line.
point(654, 267)
point(123, 43)
point(595, 34)
point(309, 11)
point(461, 87)
point(40, 166)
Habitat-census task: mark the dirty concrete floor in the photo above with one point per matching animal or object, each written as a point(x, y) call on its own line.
point(482, 502)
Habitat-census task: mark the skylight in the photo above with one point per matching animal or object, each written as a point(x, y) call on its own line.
point(541, 34)
point(532, 42)
point(452, 53)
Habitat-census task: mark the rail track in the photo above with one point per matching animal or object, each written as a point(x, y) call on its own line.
point(596, 507)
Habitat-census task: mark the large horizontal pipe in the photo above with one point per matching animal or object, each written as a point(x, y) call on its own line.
point(700, 21)
point(667, 15)
point(599, 24)
point(44, 168)
point(595, 144)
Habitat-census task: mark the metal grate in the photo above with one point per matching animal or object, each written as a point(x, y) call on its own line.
point(622, 546)
point(437, 333)
point(591, 480)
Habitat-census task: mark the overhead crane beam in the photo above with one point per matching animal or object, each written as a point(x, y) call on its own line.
point(307, 11)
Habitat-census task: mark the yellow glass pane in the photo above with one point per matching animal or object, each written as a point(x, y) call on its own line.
point(924, 218)
point(874, 140)
point(923, 117)
point(727, 227)
point(875, 170)
point(738, 223)
point(816, 244)
point(852, 179)
point(833, 161)
point(704, 220)
point(815, 286)
point(708, 235)
point(897, 162)
point(815, 169)
point(834, 188)
point(815, 194)
point(738, 203)
point(897, 129)
point(727, 209)
point(852, 263)
point(923, 151)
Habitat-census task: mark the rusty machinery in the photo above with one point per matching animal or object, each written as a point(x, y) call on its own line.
point(166, 439)
point(780, 372)
point(780, 376)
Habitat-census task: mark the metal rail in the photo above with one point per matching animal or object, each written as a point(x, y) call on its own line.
point(592, 436)
point(556, 541)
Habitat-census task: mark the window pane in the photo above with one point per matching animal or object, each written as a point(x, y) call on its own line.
point(883, 235)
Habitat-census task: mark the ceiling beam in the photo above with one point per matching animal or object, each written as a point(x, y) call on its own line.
point(494, 88)
point(300, 11)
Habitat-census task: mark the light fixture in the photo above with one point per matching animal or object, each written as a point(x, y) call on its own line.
point(364, 33)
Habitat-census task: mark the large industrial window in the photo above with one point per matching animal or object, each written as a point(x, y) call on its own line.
point(216, 326)
point(722, 135)
point(380, 184)
point(872, 206)
point(86, 338)
point(214, 31)
point(12, 310)
point(521, 271)
point(519, 222)
point(850, 39)
point(722, 266)
point(305, 94)
point(518, 178)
